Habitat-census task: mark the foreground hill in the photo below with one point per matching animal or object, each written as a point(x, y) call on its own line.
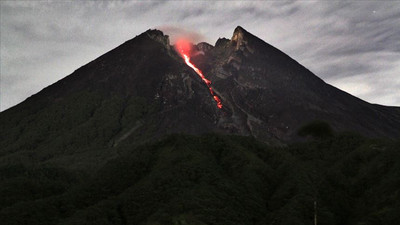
point(214, 179)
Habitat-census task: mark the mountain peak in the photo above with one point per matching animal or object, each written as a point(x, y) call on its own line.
point(239, 29)
point(158, 36)
point(240, 39)
point(238, 34)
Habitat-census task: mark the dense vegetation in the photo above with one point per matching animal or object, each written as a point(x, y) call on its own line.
point(213, 179)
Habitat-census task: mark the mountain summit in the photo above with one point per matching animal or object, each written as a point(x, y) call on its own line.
point(143, 89)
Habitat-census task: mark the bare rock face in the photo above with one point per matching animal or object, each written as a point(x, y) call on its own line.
point(204, 47)
point(240, 41)
point(159, 37)
point(269, 95)
point(222, 42)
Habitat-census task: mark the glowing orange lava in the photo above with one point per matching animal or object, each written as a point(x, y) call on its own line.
point(184, 47)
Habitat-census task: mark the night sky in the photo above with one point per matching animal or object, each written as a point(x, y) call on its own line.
point(353, 45)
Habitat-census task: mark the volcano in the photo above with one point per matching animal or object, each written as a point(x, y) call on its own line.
point(145, 90)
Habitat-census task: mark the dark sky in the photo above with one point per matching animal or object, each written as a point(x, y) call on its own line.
point(353, 45)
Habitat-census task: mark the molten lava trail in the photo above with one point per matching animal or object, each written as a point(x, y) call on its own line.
point(208, 82)
point(183, 49)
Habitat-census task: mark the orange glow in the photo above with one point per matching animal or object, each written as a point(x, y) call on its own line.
point(184, 48)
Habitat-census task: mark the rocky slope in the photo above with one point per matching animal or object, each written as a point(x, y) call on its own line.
point(268, 93)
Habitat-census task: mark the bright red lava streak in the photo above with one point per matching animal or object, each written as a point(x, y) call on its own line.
point(183, 47)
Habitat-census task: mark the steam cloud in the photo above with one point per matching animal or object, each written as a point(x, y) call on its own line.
point(176, 33)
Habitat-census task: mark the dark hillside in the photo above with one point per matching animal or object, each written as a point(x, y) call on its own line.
point(215, 179)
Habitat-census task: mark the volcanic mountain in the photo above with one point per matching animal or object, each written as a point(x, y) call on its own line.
point(143, 89)
point(86, 147)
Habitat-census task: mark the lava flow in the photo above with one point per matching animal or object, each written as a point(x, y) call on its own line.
point(184, 47)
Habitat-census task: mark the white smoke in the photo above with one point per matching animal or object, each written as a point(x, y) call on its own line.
point(176, 33)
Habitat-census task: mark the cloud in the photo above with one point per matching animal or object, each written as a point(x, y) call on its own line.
point(342, 42)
